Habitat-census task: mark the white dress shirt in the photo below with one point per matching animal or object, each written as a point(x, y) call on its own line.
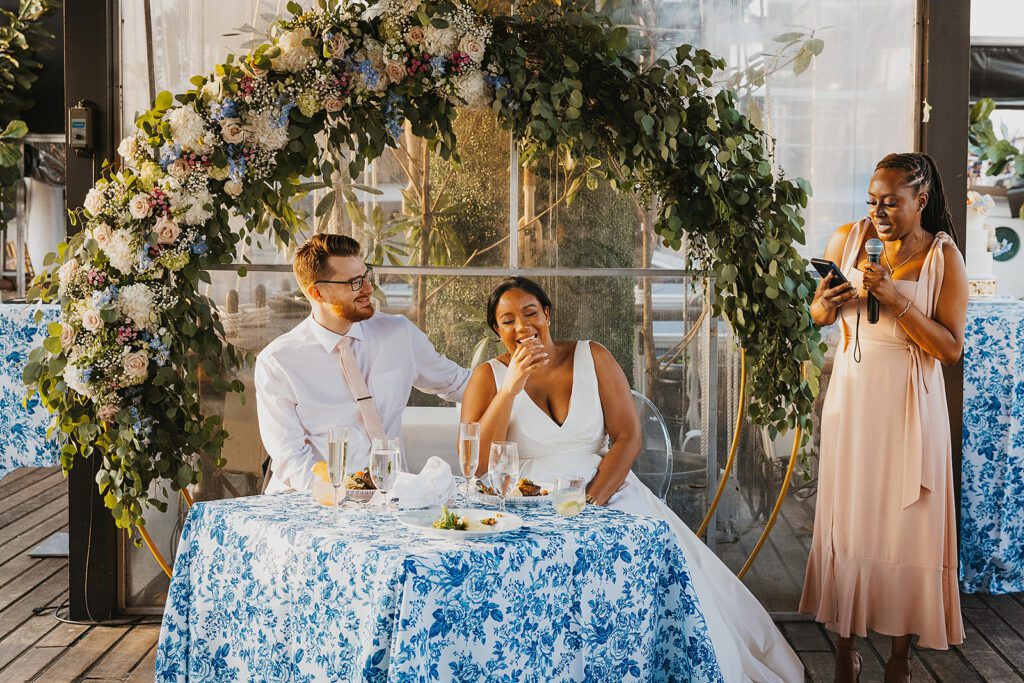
point(301, 392)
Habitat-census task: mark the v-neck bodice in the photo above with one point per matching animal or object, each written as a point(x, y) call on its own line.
point(537, 433)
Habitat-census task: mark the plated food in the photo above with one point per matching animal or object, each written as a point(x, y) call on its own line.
point(360, 481)
point(460, 523)
point(526, 491)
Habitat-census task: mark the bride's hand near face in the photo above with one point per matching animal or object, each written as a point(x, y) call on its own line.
point(528, 357)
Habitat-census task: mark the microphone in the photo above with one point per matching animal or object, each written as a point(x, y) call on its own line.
point(874, 249)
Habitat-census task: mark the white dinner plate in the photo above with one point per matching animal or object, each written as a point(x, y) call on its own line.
point(516, 499)
point(424, 521)
point(359, 495)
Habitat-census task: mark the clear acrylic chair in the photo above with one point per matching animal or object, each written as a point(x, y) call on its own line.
point(654, 464)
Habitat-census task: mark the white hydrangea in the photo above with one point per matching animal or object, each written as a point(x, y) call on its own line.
point(440, 41)
point(294, 55)
point(473, 89)
point(191, 207)
point(136, 302)
point(65, 275)
point(75, 381)
point(188, 129)
point(120, 251)
point(263, 126)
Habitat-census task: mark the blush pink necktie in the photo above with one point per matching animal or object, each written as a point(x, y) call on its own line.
point(364, 401)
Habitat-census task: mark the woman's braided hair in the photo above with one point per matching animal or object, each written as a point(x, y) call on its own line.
point(923, 176)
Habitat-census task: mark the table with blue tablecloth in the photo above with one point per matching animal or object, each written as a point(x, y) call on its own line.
point(23, 441)
point(271, 588)
point(992, 503)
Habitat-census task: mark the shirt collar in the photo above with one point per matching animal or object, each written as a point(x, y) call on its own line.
point(328, 339)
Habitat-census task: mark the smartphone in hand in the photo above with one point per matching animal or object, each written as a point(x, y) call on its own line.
point(824, 267)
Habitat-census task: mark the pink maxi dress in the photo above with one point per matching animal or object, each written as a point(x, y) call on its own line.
point(884, 555)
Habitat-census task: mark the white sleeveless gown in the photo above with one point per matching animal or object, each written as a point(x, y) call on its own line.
point(747, 643)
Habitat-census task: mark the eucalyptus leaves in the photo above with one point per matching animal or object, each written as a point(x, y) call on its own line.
point(122, 368)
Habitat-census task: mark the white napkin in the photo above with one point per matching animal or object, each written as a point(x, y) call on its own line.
point(432, 487)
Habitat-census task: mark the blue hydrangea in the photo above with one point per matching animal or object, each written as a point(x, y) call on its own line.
point(145, 262)
point(438, 63)
point(169, 154)
point(102, 298)
point(200, 248)
point(282, 120)
point(86, 374)
point(370, 75)
point(497, 81)
point(228, 109)
point(236, 165)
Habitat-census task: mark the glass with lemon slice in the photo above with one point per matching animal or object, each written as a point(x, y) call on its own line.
point(570, 496)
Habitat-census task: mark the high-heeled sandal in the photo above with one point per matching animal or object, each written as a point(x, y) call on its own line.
point(904, 677)
point(858, 663)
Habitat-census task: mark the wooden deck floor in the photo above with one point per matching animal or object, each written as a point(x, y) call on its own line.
point(34, 646)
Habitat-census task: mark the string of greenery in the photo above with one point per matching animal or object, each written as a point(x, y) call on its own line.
point(22, 39)
point(122, 368)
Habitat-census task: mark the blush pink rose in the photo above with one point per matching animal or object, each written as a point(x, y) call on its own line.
point(167, 231)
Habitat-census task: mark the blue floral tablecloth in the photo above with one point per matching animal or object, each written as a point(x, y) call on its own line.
point(23, 440)
point(992, 503)
point(269, 589)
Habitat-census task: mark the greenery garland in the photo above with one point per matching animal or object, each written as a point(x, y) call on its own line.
point(121, 370)
point(22, 39)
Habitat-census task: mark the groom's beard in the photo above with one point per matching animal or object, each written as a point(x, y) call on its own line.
point(353, 311)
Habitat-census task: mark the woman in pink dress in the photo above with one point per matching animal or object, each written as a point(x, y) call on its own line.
point(884, 552)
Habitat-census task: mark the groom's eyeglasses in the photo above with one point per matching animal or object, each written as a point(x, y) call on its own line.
point(355, 283)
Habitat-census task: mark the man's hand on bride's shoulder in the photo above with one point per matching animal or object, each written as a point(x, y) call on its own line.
point(526, 359)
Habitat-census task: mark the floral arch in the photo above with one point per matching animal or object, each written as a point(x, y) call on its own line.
point(121, 370)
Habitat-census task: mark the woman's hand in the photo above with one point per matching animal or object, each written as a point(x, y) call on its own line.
point(878, 282)
point(833, 297)
point(527, 359)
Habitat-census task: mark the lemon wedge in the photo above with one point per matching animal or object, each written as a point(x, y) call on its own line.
point(320, 470)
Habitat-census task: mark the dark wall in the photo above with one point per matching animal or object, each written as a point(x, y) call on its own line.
point(47, 116)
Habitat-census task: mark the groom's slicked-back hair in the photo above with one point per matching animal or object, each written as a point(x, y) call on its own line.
point(515, 282)
point(310, 264)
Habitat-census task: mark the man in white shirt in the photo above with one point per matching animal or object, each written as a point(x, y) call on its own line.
point(301, 389)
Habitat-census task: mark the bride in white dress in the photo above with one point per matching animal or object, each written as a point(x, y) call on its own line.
point(562, 402)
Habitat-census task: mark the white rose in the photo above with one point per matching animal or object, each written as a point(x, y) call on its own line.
point(395, 71)
point(179, 168)
point(233, 187)
point(67, 337)
point(102, 234)
point(91, 320)
point(129, 149)
point(107, 413)
point(212, 90)
point(333, 104)
point(339, 44)
point(67, 272)
point(473, 47)
point(139, 206)
point(415, 35)
point(136, 364)
point(167, 231)
point(94, 201)
point(232, 131)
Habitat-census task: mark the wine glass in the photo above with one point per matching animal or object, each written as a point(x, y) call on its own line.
point(384, 470)
point(570, 496)
point(337, 464)
point(469, 451)
point(386, 452)
point(504, 468)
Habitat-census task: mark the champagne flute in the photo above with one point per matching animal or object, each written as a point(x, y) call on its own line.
point(570, 496)
point(504, 468)
point(384, 450)
point(384, 470)
point(337, 464)
point(469, 451)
